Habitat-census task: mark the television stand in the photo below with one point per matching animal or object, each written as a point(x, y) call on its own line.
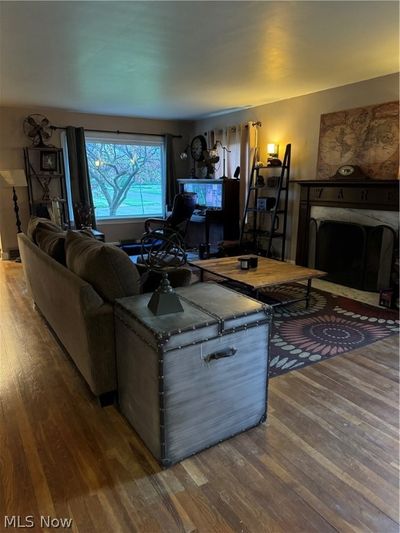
point(227, 217)
point(213, 216)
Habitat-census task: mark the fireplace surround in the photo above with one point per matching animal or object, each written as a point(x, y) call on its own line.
point(348, 229)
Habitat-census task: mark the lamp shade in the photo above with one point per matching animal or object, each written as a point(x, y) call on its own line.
point(12, 178)
point(272, 149)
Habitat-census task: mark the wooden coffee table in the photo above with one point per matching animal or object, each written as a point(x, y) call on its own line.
point(267, 274)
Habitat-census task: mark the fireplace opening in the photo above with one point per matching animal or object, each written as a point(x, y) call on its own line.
point(355, 255)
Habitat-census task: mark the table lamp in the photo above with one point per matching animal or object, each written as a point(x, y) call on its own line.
point(273, 152)
point(12, 179)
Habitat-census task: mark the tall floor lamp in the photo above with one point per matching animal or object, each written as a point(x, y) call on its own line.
point(10, 179)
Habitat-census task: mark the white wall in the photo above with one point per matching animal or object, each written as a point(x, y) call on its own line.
point(297, 121)
point(13, 140)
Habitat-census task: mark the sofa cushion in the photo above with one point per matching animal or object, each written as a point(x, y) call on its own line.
point(44, 223)
point(52, 243)
point(107, 268)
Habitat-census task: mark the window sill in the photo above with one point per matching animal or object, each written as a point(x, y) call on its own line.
point(112, 221)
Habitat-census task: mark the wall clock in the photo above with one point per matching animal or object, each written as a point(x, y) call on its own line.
point(197, 147)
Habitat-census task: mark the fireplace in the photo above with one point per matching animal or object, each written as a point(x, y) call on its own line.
point(348, 229)
point(353, 254)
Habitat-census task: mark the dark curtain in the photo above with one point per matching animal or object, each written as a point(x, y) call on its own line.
point(170, 170)
point(82, 200)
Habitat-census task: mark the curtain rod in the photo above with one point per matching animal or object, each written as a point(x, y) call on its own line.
point(122, 132)
point(254, 124)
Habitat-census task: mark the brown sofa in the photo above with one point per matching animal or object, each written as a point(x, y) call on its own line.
point(76, 298)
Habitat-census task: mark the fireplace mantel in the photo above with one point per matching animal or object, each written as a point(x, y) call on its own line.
point(381, 195)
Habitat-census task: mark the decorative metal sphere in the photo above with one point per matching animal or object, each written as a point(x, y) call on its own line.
point(163, 249)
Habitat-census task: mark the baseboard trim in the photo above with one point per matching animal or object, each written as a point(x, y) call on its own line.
point(10, 255)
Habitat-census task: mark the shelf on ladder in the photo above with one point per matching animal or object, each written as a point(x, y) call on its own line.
point(253, 229)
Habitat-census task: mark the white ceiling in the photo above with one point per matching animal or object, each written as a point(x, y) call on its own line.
point(188, 59)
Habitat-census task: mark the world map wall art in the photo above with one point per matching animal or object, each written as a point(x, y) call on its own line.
point(364, 136)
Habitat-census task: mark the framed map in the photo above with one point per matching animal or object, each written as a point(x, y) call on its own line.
point(364, 136)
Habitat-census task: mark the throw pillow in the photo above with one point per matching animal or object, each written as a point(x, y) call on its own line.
point(52, 243)
point(107, 268)
point(37, 222)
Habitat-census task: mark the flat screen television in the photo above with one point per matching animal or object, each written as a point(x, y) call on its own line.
point(209, 194)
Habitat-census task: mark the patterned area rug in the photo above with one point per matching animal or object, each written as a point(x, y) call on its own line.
point(332, 325)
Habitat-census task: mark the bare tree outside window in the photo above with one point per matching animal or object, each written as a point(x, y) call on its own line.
point(126, 179)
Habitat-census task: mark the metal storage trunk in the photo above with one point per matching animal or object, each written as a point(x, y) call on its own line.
point(189, 380)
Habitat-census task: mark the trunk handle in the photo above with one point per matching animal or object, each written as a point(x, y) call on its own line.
point(229, 352)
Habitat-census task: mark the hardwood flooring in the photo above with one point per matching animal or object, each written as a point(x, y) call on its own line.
point(326, 460)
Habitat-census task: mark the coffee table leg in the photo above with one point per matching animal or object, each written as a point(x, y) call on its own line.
point(201, 274)
point(308, 292)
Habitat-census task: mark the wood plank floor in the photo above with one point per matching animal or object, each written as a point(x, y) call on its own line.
point(326, 460)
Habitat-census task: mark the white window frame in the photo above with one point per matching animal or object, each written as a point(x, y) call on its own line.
point(144, 139)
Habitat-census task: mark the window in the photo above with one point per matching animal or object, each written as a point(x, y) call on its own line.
point(127, 176)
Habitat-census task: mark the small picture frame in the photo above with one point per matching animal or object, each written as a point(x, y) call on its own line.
point(48, 161)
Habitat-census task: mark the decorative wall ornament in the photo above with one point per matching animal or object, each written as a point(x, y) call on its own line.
point(37, 128)
point(364, 136)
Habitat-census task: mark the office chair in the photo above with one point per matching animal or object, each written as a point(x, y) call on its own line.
point(178, 220)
